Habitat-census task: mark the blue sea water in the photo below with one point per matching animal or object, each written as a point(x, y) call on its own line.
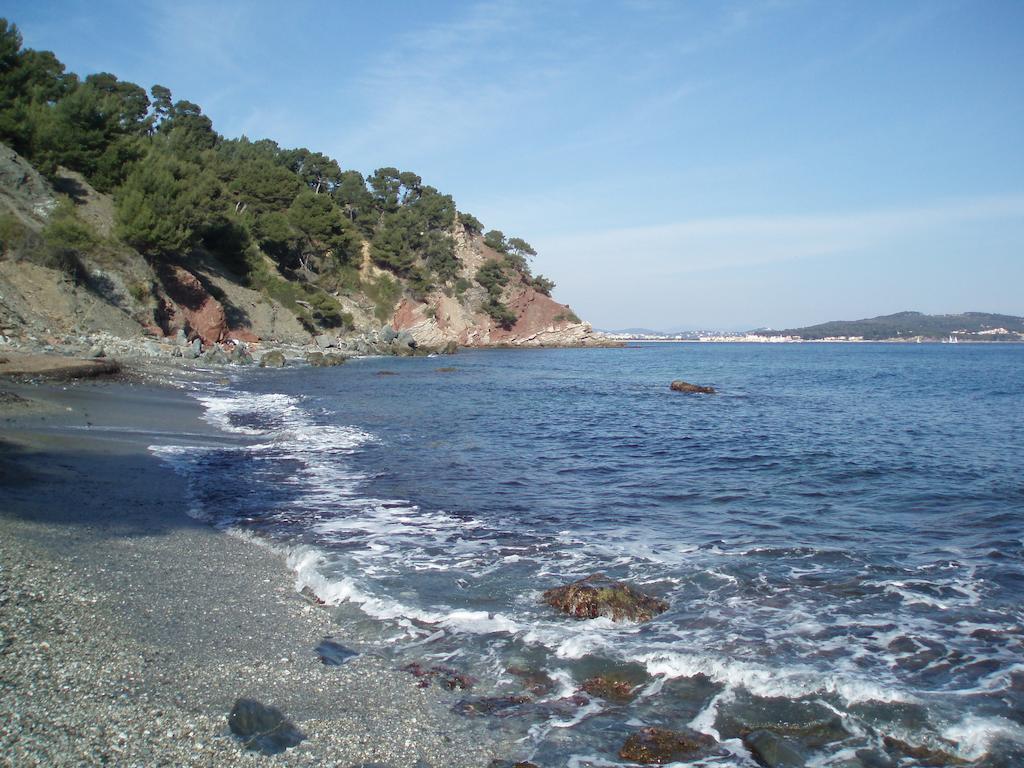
point(839, 533)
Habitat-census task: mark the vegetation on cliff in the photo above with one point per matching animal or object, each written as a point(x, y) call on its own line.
point(290, 223)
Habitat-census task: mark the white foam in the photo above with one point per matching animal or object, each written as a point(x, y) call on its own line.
point(974, 735)
point(791, 682)
point(705, 719)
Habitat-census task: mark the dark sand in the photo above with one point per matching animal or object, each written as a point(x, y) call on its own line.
point(128, 629)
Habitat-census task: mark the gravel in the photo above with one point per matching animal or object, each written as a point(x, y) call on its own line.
point(128, 630)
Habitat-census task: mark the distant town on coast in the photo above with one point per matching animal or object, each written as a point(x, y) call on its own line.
point(902, 327)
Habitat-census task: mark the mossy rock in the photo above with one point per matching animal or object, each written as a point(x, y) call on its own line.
point(597, 595)
point(273, 359)
point(659, 746)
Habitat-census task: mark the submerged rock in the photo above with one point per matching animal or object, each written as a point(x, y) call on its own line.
point(273, 359)
point(597, 595)
point(536, 681)
point(446, 677)
point(659, 746)
point(774, 751)
point(334, 654)
point(925, 755)
point(262, 728)
point(810, 723)
point(611, 688)
point(684, 386)
point(490, 705)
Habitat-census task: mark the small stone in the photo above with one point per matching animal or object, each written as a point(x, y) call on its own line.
point(334, 654)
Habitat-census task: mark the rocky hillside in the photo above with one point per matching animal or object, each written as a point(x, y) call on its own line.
point(124, 212)
point(55, 294)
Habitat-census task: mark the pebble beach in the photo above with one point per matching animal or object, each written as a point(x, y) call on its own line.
point(128, 630)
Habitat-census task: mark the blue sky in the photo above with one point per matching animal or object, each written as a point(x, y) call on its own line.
point(677, 164)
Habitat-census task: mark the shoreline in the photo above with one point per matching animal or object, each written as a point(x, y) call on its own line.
point(128, 629)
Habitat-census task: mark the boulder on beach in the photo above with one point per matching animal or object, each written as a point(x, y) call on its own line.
point(695, 389)
point(272, 359)
point(659, 746)
point(262, 728)
point(597, 595)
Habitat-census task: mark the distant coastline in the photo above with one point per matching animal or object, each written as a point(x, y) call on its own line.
point(899, 328)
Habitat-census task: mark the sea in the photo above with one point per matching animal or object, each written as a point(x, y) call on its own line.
point(839, 533)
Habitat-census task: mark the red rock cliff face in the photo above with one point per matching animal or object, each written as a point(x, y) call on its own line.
point(190, 307)
point(540, 320)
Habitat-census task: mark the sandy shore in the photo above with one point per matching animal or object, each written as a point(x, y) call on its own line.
point(128, 630)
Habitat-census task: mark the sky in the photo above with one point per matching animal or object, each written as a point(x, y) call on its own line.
point(676, 164)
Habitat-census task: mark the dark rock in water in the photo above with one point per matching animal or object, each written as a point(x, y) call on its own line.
point(597, 595)
point(925, 756)
point(812, 724)
point(536, 681)
point(451, 348)
point(446, 677)
point(332, 359)
point(447, 369)
point(490, 705)
point(567, 707)
point(273, 359)
point(612, 688)
point(316, 359)
point(774, 751)
point(334, 654)
point(684, 386)
point(869, 758)
point(658, 746)
point(263, 729)
point(387, 373)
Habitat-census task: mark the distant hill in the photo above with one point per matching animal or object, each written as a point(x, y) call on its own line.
point(908, 325)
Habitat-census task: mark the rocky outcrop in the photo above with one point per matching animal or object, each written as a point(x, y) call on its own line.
point(597, 595)
point(694, 389)
point(660, 746)
point(191, 307)
point(116, 290)
point(24, 193)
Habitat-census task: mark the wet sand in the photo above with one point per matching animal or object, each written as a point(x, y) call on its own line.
point(128, 629)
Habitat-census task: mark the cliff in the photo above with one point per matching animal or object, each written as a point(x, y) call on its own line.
point(65, 276)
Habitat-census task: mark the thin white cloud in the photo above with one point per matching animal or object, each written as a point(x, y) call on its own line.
point(730, 242)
